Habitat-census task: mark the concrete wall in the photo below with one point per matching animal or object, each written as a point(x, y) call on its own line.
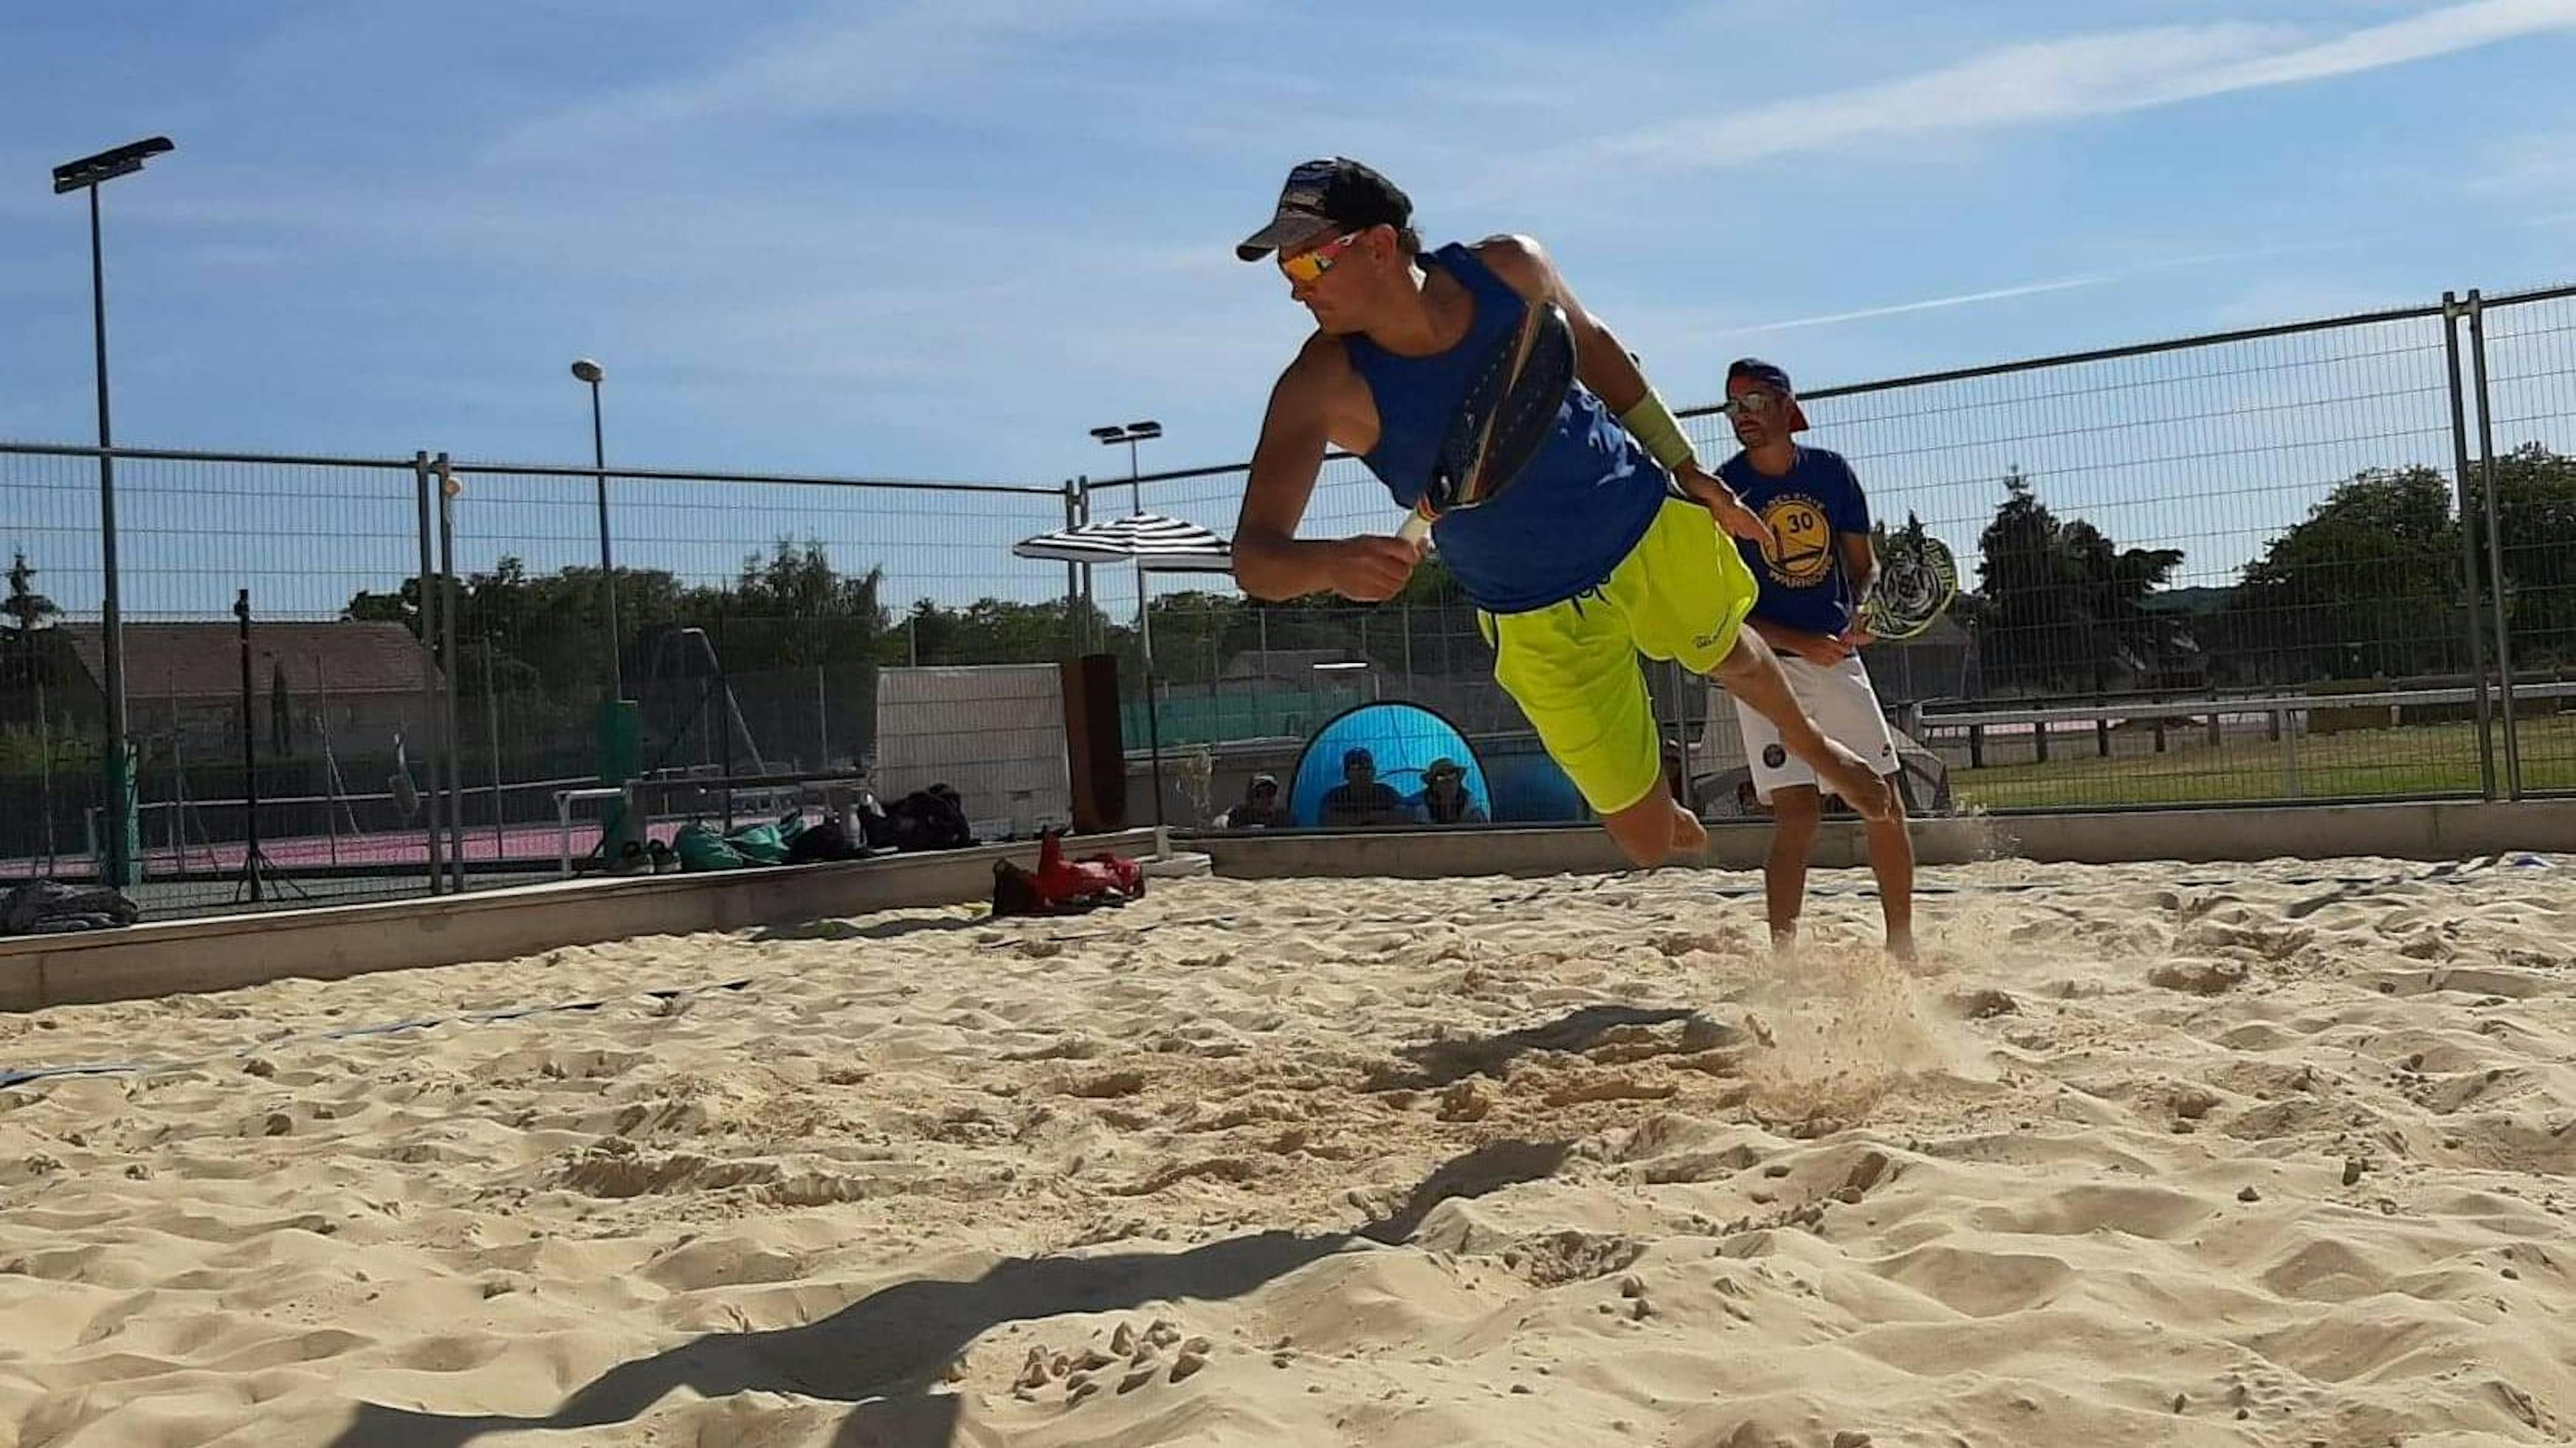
point(2431, 831)
point(205, 955)
point(2443, 831)
point(184, 956)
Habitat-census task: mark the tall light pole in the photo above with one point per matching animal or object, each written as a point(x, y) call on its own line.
point(592, 373)
point(124, 844)
point(1132, 434)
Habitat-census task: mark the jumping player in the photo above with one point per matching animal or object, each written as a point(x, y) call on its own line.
point(1608, 544)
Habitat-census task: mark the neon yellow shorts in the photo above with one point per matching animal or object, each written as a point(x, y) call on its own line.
point(1681, 593)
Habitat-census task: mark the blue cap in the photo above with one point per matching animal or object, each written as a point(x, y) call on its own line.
point(1754, 369)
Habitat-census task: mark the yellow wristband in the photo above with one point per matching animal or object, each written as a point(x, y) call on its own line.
point(1653, 425)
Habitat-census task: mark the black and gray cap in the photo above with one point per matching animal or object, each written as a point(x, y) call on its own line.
point(1325, 194)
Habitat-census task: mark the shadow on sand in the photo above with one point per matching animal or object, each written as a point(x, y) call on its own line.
point(1434, 1064)
point(885, 1352)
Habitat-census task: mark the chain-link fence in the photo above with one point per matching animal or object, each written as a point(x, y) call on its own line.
point(2524, 380)
point(278, 733)
point(347, 679)
point(2225, 568)
point(2327, 560)
point(2152, 532)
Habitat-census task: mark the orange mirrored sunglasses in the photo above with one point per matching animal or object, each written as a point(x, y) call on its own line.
point(1306, 266)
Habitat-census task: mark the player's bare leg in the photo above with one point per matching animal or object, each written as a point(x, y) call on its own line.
point(1751, 672)
point(1654, 830)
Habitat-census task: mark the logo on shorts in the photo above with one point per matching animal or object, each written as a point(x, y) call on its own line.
point(1773, 756)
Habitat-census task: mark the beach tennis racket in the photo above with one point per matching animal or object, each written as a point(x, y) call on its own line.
point(1916, 581)
point(1511, 406)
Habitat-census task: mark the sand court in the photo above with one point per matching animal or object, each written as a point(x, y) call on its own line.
point(2145, 1153)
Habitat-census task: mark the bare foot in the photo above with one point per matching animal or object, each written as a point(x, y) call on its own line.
point(1859, 786)
point(1689, 835)
point(1901, 947)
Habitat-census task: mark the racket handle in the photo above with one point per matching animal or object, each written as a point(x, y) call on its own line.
point(1416, 527)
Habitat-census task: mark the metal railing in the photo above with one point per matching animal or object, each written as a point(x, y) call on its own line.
point(2381, 500)
point(430, 660)
point(2282, 528)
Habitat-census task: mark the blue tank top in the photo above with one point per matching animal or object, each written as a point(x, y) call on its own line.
point(1586, 498)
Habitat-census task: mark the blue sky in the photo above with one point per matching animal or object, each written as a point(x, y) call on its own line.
point(943, 239)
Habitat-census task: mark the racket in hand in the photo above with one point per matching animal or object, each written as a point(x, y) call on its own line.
point(1511, 407)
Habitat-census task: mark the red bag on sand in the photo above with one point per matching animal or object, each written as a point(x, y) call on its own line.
point(1064, 887)
point(1130, 875)
point(1102, 879)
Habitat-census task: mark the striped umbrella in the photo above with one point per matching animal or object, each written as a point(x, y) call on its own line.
point(1154, 543)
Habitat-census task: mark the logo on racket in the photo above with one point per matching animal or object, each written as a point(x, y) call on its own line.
point(1915, 584)
point(1513, 400)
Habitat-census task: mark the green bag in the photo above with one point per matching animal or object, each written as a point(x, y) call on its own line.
point(759, 844)
point(700, 848)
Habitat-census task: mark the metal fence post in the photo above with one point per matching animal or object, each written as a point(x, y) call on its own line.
point(1072, 575)
point(2451, 313)
point(429, 682)
point(2495, 545)
point(449, 737)
point(1090, 609)
point(1073, 578)
point(492, 747)
point(822, 725)
point(1404, 611)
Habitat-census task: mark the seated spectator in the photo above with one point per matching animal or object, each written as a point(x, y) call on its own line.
point(1362, 798)
point(1444, 799)
point(1260, 808)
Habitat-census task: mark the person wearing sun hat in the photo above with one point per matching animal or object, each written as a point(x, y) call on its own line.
point(1444, 799)
point(1260, 808)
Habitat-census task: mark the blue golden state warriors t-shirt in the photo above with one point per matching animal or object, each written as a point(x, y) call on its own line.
point(1810, 509)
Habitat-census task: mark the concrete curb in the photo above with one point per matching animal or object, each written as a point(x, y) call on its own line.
point(332, 942)
point(2443, 830)
point(186, 956)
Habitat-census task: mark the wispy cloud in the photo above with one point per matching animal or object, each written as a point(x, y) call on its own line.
point(2039, 288)
point(801, 235)
point(2417, 37)
point(2078, 76)
point(1929, 304)
point(885, 60)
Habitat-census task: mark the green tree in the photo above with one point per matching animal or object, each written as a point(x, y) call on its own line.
point(2060, 604)
point(2536, 525)
point(1192, 634)
point(791, 609)
point(26, 609)
point(546, 629)
point(999, 631)
point(2368, 584)
point(25, 669)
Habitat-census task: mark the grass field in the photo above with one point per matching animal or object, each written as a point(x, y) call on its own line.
point(2412, 760)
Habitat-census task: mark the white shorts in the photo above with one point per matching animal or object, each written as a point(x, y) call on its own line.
point(1846, 711)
